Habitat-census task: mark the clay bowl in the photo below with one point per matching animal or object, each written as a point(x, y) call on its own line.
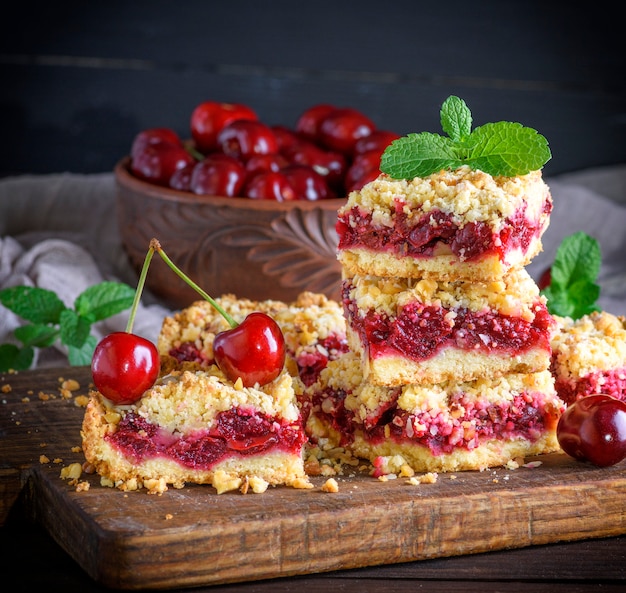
point(256, 249)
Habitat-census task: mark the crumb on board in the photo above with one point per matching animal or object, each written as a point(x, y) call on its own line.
point(428, 478)
point(330, 485)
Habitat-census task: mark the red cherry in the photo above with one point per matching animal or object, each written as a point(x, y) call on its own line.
point(342, 128)
point(308, 124)
point(365, 178)
point(285, 137)
point(253, 351)
point(124, 366)
point(181, 178)
point(218, 175)
point(243, 139)
point(269, 185)
point(378, 140)
point(208, 119)
point(363, 166)
point(307, 183)
point(154, 136)
point(594, 429)
point(545, 279)
point(156, 163)
point(265, 162)
point(330, 165)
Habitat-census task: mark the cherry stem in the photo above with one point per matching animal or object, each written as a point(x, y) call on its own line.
point(156, 246)
point(139, 290)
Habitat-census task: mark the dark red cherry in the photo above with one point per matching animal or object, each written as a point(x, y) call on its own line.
point(218, 175)
point(124, 366)
point(181, 178)
point(593, 429)
point(545, 279)
point(342, 128)
point(329, 164)
point(265, 162)
point(253, 351)
point(307, 182)
point(364, 166)
point(209, 118)
point(308, 124)
point(156, 163)
point(154, 136)
point(269, 185)
point(243, 139)
point(378, 140)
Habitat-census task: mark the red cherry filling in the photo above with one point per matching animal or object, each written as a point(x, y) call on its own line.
point(611, 383)
point(470, 423)
point(419, 332)
point(419, 239)
point(236, 432)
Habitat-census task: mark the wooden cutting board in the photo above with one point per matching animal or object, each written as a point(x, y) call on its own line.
point(192, 537)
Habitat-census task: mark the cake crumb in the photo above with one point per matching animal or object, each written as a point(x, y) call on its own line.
point(429, 478)
point(72, 471)
point(169, 516)
point(44, 459)
point(81, 401)
point(6, 388)
point(330, 485)
point(82, 486)
point(70, 385)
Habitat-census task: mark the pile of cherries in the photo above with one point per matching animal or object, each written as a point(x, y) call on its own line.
point(329, 152)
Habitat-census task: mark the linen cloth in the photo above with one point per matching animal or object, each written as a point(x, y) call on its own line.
point(60, 232)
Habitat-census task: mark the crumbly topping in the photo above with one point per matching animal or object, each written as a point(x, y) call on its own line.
point(307, 320)
point(515, 295)
point(595, 342)
point(468, 195)
point(191, 400)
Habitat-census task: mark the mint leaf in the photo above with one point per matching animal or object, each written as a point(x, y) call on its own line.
point(36, 335)
point(14, 358)
point(82, 356)
point(456, 118)
point(74, 329)
point(418, 155)
point(33, 304)
point(501, 148)
point(104, 300)
point(506, 148)
point(573, 289)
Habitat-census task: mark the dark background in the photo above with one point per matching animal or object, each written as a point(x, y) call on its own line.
point(79, 79)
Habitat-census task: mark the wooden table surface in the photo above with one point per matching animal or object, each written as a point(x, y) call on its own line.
point(29, 552)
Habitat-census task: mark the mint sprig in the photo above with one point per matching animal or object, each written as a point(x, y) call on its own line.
point(51, 321)
point(499, 149)
point(573, 290)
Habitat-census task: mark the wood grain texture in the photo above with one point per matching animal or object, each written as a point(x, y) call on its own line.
point(126, 540)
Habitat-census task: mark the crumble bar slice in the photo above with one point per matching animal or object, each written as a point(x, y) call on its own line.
point(197, 427)
point(589, 356)
point(452, 426)
point(314, 328)
point(416, 331)
point(453, 225)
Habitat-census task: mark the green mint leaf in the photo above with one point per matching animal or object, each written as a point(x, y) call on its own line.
point(573, 289)
point(82, 356)
point(14, 358)
point(577, 257)
point(36, 335)
point(507, 149)
point(501, 148)
point(456, 118)
point(74, 329)
point(104, 300)
point(418, 155)
point(37, 305)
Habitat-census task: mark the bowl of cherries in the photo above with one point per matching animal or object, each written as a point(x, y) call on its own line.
point(248, 208)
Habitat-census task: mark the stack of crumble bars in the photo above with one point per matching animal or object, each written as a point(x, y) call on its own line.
point(448, 366)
